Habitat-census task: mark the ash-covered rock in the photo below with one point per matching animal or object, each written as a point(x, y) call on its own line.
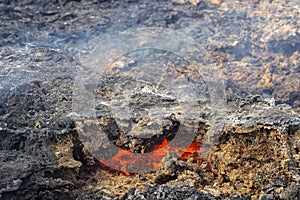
point(254, 152)
point(40, 153)
point(256, 110)
point(134, 115)
point(92, 194)
point(170, 167)
point(177, 191)
point(29, 166)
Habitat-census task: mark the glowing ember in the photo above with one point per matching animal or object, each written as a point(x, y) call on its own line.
point(123, 158)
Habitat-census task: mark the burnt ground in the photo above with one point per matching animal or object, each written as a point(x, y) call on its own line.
point(255, 46)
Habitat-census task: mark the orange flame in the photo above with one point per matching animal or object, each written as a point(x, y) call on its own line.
point(123, 158)
point(192, 150)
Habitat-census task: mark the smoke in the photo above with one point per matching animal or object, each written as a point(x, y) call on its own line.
point(150, 58)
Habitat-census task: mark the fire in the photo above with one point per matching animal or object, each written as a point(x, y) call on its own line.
point(192, 150)
point(125, 158)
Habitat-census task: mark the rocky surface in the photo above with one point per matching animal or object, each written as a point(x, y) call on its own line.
point(254, 153)
point(255, 45)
